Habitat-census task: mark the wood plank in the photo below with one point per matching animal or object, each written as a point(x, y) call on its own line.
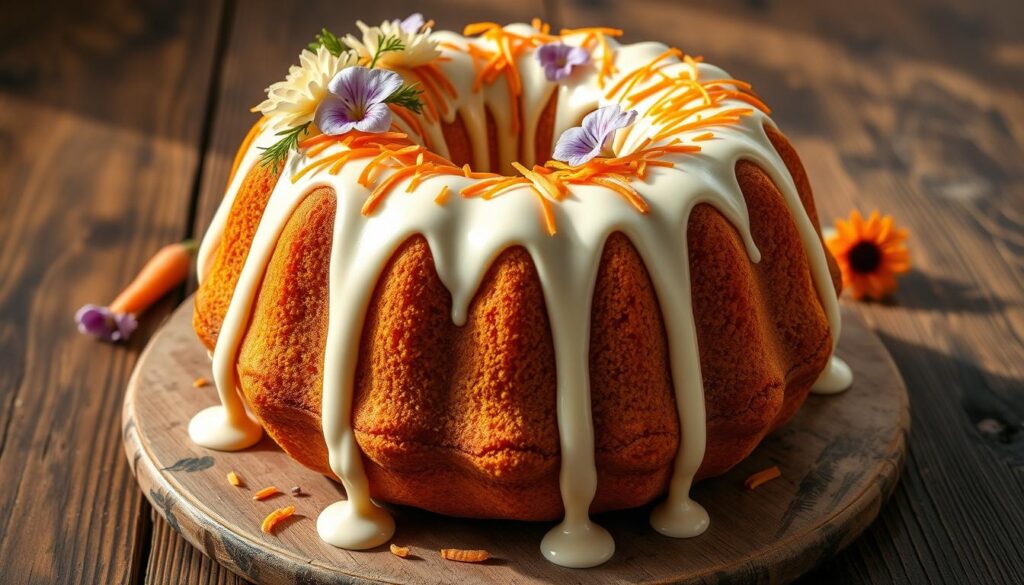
point(101, 112)
point(175, 561)
point(914, 108)
point(265, 38)
point(839, 459)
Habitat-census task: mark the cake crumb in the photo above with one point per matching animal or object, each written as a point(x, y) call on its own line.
point(296, 491)
point(266, 493)
point(761, 477)
point(200, 383)
point(464, 556)
point(399, 551)
point(275, 518)
point(234, 480)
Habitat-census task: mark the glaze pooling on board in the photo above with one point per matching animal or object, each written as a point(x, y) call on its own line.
point(466, 235)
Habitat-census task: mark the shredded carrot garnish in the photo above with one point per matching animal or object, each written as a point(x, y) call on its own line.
point(275, 518)
point(680, 102)
point(643, 72)
point(761, 477)
point(442, 197)
point(508, 47)
point(628, 193)
point(265, 493)
point(464, 556)
point(435, 103)
point(378, 194)
point(399, 551)
point(479, 28)
point(200, 383)
point(549, 214)
point(410, 119)
point(432, 71)
point(612, 32)
point(233, 479)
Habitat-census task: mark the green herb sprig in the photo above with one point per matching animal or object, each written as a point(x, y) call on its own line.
point(408, 97)
point(388, 44)
point(329, 41)
point(276, 153)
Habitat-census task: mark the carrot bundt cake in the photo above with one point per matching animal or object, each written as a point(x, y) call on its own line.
point(513, 274)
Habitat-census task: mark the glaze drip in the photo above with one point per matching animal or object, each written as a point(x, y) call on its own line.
point(466, 234)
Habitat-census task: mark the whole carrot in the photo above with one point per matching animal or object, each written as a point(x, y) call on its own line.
point(167, 269)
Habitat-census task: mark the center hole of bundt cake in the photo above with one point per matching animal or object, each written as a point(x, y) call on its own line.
point(865, 257)
point(460, 142)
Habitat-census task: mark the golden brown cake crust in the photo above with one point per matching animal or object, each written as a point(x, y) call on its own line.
point(461, 420)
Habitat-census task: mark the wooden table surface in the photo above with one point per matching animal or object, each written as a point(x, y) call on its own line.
point(119, 119)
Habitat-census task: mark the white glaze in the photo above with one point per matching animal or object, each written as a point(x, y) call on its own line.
point(836, 378)
point(466, 234)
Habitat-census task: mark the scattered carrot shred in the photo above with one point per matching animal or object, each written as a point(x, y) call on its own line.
point(761, 477)
point(266, 493)
point(200, 382)
point(234, 480)
point(399, 551)
point(276, 517)
point(464, 556)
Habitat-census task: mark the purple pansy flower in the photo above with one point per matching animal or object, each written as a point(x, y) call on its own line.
point(558, 59)
point(102, 323)
point(412, 23)
point(358, 101)
point(578, 145)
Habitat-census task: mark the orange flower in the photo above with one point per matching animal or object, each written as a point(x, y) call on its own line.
point(870, 253)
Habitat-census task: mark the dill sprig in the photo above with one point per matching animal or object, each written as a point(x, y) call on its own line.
point(408, 97)
point(388, 44)
point(328, 40)
point(277, 152)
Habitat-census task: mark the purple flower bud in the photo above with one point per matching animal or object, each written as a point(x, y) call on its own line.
point(412, 23)
point(558, 59)
point(104, 324)
point(578, 145)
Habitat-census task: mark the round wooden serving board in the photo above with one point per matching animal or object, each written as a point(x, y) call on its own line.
point(840, 459)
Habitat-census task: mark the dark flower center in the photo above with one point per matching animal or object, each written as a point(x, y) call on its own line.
point(865, 257)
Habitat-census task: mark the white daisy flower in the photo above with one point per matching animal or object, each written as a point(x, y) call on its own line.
point(418, 47)
point(293, 102)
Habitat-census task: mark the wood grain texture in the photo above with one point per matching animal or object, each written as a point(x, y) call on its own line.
point(101, 110)
point(840, 458)
point(913, 108)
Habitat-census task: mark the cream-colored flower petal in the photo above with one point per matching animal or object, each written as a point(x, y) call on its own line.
point(293, 102)
point(418, 47)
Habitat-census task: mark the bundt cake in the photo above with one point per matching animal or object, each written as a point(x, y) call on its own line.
point(406, 292)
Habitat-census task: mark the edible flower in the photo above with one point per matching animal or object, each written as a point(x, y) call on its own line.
point(165, 270)
point(870, 253)
point(104, 324)
point(412, 23)
point(394, 43)
point(559, 59)
point(579, 145)
point(292, 102)
point(358, 101)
